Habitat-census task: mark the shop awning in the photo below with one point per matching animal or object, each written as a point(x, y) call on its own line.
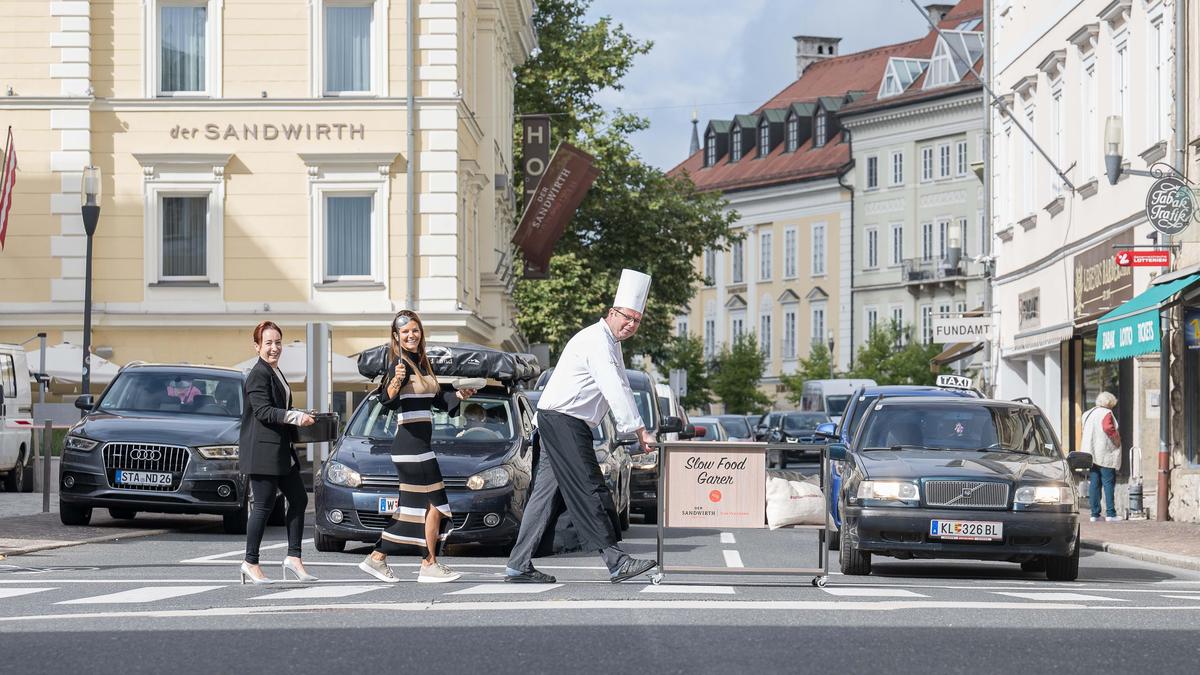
point(1133, 328)
point(954, 352)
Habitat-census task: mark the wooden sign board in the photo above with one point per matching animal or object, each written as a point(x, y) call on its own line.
point(716, 488)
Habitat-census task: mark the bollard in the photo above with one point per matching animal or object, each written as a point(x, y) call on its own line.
point(47, 435)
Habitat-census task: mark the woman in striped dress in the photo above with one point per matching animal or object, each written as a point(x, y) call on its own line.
point(422, 519)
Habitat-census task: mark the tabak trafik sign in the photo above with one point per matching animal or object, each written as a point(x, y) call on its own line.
point(716, 488)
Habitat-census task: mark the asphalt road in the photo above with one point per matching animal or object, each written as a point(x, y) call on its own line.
point(172, 603)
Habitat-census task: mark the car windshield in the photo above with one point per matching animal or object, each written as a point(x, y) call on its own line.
point(803, 422)
point(736, 426)
point(710, 430)
point(186, 393)
point(482, 419)
point(834, 405)
point(860, 408)
point(946, 426)
point(645, 405)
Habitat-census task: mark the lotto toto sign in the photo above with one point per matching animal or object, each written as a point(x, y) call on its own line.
point(1144, 258)
point(1169, 205)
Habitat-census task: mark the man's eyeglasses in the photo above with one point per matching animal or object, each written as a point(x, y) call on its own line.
point(628, 319)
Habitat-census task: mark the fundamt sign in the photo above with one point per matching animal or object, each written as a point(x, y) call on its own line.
point(716, 488)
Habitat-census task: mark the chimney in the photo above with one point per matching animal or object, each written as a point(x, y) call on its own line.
point(810, 49)
point(937, 12)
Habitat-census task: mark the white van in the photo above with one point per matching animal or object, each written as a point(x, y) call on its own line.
point(669, 406)
point(16, 420)
point(830, 396)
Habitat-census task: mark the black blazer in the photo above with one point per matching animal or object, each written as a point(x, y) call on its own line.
point(265, 445)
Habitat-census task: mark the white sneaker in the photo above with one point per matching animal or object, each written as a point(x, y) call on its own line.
point(378, 569)
point(1112, 519)
point(437, 573)
point(1095, 519)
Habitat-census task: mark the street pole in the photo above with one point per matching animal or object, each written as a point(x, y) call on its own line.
point(90, 210)
point(985, 243)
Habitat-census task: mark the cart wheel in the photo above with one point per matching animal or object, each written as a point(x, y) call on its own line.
point(820, 582)
point(656, 579)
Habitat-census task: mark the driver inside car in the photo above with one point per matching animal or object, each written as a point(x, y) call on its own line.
point(476, 422)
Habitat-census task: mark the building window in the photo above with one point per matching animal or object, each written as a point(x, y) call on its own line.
point(962, 236)
point(737, 326)
point(943, 238)
point(710, 267)
point(183, 217)
point(681, 325)
point(818, 324)
point(872, 320)
point(182, 48)
point(710, 338)
point(1056, 111)
point(926, 163)
point(1158, 86)
point(793, 134)
point(961, 308)
point(737, 253)
point(961, 153)
point(1120, 104)
point(898, 323)
point(764, 256)
point(789, 253)
point(349, 210)
point(872, 248)
point(350, 48)
point(944, 160)
point(735, 143)
point(818, 250)
point(897, 244)
point(927, 324)
point(183, 250)
point(1090, 138)
point(927, 241)
point(1028, 168)
point(764, 140)
point(348, 237)
point(789, 334)
point(872, 173)
point(819, 132)
point(764, 334)
point(710, 150)
point(897, 168)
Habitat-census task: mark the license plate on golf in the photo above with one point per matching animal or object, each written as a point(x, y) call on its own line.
point(388, 504)
point(968, 530)
point(152, 478)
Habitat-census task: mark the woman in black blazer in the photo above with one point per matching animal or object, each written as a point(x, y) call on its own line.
point(267, 457)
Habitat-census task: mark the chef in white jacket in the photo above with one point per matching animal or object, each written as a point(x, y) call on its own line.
point(587, 382)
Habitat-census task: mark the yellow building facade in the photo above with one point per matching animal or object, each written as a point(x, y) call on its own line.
point(261, 160)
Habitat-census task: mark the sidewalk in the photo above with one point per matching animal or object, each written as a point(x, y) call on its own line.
point(1165, 543)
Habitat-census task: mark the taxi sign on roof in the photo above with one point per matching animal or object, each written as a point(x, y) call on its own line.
point(953, 382)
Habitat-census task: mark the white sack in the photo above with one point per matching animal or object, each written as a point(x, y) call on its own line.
point(794, 499)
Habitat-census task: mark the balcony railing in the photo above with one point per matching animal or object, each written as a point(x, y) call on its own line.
point(934, 270)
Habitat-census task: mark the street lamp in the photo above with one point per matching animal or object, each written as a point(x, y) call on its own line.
point(1113, 150)
point(829, 339)
point(90, 208)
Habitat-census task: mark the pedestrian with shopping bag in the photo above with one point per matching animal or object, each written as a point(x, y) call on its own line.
point(1102, 441)
point(588, 380)
point(267, 457)
point(422, 518)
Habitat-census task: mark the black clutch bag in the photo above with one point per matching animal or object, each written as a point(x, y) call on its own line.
point(324, 431)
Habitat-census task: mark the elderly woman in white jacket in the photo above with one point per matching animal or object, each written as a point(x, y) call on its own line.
point(1102, 441)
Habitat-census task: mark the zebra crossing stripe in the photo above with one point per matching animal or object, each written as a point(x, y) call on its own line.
point(145, 594)
point(14, 592)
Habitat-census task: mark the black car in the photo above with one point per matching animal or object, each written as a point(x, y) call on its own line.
point(161, 438)
point(794, 438)
point(485, 454)
point(956, 477)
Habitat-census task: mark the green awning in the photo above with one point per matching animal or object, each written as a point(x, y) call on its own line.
point(1133, 328)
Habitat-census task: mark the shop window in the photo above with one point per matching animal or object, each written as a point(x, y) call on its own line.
point(1191, 397)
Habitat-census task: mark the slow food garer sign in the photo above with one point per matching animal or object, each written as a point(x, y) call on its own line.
point(716, 488)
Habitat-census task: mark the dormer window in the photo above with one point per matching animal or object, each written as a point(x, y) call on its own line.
point(710, 149)
point(735, 143)
point(793, 134)
point(819, 132)
point(955, 53)
point(900, 74)
point(764, 140)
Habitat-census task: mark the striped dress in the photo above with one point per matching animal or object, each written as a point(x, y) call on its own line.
point(416, 465)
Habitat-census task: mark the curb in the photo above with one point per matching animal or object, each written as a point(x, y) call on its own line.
point(1145, 554)
point(128, 534)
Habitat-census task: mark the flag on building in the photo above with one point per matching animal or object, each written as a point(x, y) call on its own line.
point(8, 183)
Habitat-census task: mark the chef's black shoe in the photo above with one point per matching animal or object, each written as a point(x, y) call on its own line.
point(530, 577)
point(631, 568)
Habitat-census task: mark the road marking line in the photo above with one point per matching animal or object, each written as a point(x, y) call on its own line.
point(732, 559)
point(330, 591)
point(240, 551)
point(147, 594)
point(14, 592)
point(1182, 597)
point(506, 589)
point(689, 590)
point(727, 538)
point(311, 563)
point(1061, 597)
point(873, 592)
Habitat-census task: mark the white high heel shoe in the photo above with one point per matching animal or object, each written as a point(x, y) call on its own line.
point(301, 576)
point(246, 573)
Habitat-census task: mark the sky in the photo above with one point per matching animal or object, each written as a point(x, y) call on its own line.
point(723, 57)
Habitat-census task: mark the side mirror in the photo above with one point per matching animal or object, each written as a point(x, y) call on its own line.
point(699, 432)
point(85, 403)
point(836, 451)
point(627, 439)
point(827, 430)
point(1079, 461)
point(671, 425)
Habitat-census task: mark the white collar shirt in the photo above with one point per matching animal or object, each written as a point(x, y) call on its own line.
point(590, 379)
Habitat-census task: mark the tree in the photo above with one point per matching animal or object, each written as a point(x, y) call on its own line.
point(634, 216)
point(883, 360)
point(817, 366)
point(735, 376)
point(687, 353)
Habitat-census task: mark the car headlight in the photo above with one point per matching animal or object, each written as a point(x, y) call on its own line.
point(495, 477)
point(648, 460)
point(340, 474)
point(1044, 494)
point(895, 491)
point(79, 444)
point(218, 452)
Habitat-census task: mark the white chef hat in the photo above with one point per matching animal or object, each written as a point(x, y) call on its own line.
point(632, 290)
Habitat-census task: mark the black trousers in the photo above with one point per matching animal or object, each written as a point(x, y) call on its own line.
point(264, 488)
